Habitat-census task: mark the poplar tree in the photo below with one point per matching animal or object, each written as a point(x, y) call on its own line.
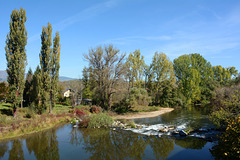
point(36, 90)
point(16, 56)
point(55, 59)
point(45, 62)
point(162, 74)
point(135, 67)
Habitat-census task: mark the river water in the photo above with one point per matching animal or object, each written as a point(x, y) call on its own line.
point(66, 142)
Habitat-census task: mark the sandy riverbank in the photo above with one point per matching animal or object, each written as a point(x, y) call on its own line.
point(144, 114)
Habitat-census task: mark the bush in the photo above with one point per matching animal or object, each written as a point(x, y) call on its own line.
point(131, 124)
point(79, 113)
point(95, 109)
point(99, 120)
point(229, 144)
point(219, 117)
point(84, 122)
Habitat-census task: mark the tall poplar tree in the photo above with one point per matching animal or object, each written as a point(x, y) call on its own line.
point(16, 56)
point(162, 75)
point(135, 67)
point(55, 59)
point(45, 62)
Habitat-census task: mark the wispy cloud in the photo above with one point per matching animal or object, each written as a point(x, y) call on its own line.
point(83, 15)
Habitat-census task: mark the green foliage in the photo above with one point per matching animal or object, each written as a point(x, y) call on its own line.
point(138, 96)
point(87, 83)
point(135, 65)
point(54, 70)
point(3, 91)
point(222, 75)
point(194, 75)
point(45, 62)
point(36, 91)
point(220, 117)
point(226, 104)
point(100, 120)
point(162, 79)
point(229, 144)
point(16, 56)
point(27, 93)
point(131, 124)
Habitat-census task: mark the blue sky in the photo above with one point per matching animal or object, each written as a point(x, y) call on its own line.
point(175, 27)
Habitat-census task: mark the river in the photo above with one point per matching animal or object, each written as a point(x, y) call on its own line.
point(66, 142)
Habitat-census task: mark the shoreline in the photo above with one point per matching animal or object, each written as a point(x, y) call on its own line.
point(144, 114)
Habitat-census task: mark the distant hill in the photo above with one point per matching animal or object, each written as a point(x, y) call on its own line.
point(3, 77)
point(63, 78)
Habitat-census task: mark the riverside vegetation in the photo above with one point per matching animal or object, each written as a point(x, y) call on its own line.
point(116, 83)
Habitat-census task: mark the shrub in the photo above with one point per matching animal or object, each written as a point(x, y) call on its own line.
point(99, 120)
point(131, 124)
point(228, 145)
point(95, 109)
point(219, 117)
point(84, 122)
point(79, 113)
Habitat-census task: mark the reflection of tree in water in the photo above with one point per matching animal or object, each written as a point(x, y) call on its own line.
point(190, 143)
point(107, 144)
point(3, 149)
point(44, 145)
point(75, 138)
point(161, 147)
point(16, 152)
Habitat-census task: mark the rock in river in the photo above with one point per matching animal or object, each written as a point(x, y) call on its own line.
point(182, 133)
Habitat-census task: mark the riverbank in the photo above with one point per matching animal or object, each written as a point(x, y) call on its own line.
point(28, 126)
point(144, 114)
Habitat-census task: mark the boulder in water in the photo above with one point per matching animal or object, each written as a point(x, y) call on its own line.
point(182, 133)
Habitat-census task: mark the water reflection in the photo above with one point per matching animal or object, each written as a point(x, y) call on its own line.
point(16, 152)
point(107, 144)
point(161, 147)
point(3, 148)
point(190, 143)
point(44, 145)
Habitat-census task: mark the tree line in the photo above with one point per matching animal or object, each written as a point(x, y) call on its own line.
point(112, 79)
point(40, 88)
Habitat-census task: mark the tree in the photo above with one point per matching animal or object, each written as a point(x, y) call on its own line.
point(222, 75)
point(36, 90)
point(16, 56)
point(54, 70)
point(195, 77)
point(135, 67)
point(3, 91)
point(27, 93)
point(45, 62)
point(86, 81)
point(108, 69)
point(162, 71)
